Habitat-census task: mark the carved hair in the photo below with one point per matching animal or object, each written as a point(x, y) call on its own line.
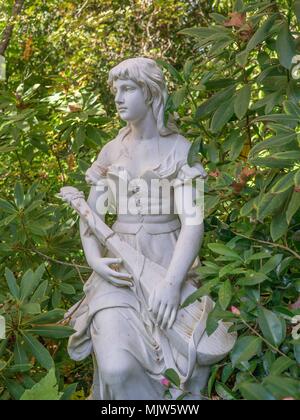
point(147, 74)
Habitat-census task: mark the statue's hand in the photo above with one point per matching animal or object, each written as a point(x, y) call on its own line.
point(69, 194)
point(102, 267)
point(164, 302)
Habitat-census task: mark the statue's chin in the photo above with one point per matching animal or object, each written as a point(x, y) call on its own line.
point(130, 119)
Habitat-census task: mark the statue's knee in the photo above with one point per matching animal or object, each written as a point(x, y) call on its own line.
point(118, 368)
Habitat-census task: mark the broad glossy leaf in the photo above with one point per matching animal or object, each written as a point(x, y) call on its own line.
point(225, 294)
point(20, 356)
point(272, 327)
point(173, 377)
point(222, 115)
point(297, 9)
point(245, 349)
point(49, 317)
point(69, 391)
point(202, 291)
point(252, 278)
point(212, 379)
point(283, 387)
point(31, 308)
point(46, 389)
point(14, 388)
point(224, 250)
point(216, 100)
point(19, 195)
point(292, 109)
point(30, 281)
point(67, 289)
point(262, 33)
point(273, 161)
point(187, 69)
point(54, 331)
point(285, 46)
point(255, 392)
point(12, 283)
point(194, 150)
point(281, 365)
point(178, 97)
point(273, 143)
point(7, 207)
point(284, 183)
point(242, 101)
point(270, 204)
point(21, 368)
point(40, 293)
point(272, 264)
point(39, 351)
point(279, 226)
point(171, 69)
point(224, 392)
point(297, 179)
point(297, 352)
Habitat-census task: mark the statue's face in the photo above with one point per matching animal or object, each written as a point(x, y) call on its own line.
point(130, 100)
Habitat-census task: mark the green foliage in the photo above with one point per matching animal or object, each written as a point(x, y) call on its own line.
point(236, 98)
point(46, 389)
point(247, 96)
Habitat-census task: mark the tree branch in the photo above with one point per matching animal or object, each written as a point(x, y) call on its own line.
point(7, 33)
point(285, 248)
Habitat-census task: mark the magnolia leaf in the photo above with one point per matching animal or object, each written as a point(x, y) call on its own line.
point(46, 389)
point(242, 101)
point(285, 47)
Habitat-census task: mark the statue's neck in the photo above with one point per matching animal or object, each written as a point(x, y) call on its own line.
point(145, 128)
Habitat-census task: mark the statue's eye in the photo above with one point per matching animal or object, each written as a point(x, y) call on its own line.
point(129, 88)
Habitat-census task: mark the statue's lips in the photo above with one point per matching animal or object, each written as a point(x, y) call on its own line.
point(122, 109)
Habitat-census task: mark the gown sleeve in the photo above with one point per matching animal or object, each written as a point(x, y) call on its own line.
point(95, 175)
point(98, 169)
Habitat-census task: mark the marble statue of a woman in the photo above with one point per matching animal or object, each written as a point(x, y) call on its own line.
point(126, 338)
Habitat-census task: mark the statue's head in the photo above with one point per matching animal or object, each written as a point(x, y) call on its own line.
point(139, 87)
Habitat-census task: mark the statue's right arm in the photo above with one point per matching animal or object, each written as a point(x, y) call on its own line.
point(94, 251)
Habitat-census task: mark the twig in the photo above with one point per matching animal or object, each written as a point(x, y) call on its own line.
point(286, 248)
point(264, 340)
point(79, 274)
point(77, 266)
point(66, 321)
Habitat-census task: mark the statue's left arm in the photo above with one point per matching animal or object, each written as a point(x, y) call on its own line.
point(165, 299)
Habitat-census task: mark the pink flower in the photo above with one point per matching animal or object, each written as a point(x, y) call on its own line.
point(288, 399)
point(296, 305)
point(165, 382)
point(235, 311)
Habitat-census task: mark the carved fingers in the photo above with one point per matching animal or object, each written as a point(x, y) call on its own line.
point(172, 317)
point(113, 276)
point(166, 317)
point(164, 303)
